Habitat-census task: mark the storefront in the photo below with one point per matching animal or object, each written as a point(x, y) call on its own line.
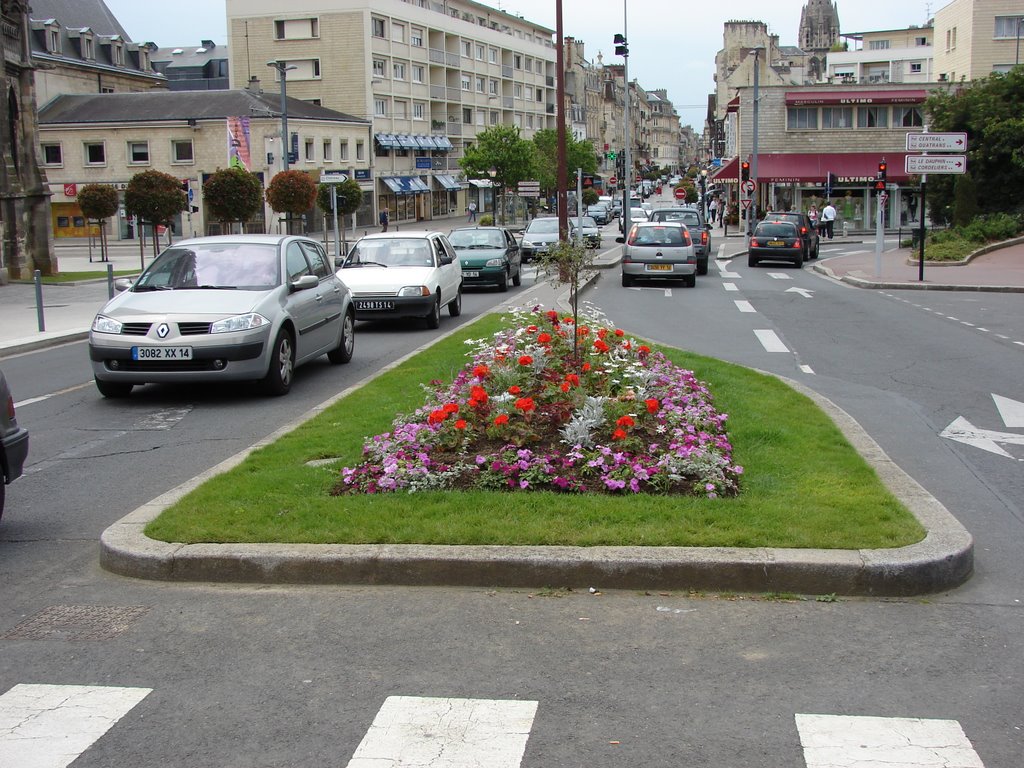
point(445, 197)
point(405, 198)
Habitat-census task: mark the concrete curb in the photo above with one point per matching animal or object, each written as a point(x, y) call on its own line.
point(859, 282)
point(942, 560)
point(45, 340)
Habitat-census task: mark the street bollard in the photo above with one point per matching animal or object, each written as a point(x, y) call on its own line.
point(37, 277)
point(110, 281)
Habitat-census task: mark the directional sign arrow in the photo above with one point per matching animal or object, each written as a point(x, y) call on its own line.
point(963, 431)
point(802, 291)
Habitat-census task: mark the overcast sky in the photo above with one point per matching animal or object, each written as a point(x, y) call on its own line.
point(672, 44)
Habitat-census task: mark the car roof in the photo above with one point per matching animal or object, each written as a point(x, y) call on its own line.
point(254, 238)
point(777, 221)
point(403, 234)
point(661, 224)
point(469, 229)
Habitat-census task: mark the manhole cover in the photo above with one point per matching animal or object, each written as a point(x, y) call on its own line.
point(76, 622)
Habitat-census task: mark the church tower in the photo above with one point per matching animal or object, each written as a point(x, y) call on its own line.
point(819, 31)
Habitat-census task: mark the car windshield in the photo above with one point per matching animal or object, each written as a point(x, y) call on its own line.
point(775, 229)
point(657, 236)
point(635, 213)
point(588, 221)
point(689, 218)
point(477, 238)
point(543, 227)
point(241, 266)
point(390, 252)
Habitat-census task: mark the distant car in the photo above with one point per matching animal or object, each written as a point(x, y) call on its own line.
point(808, 232)
point(600, 212)
point(635, 214)
point(658, 250)
point(404, 274)
point(226, 308)
point(13, 442)
point(700, 230)
point(489, 256)
point(539, 235)
point(590, 232)
point(775, 241)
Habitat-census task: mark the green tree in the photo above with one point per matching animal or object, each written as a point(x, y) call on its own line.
point(155, 197)
point(291, 192)
point(349, 198)
point(233, 194)
point(965, 197)
point(566, 263)
point(991, 111)
point(590, 197)
point(99, 202)
point(578, 154)
point(502, 148)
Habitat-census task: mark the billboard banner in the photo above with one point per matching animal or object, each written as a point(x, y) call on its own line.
point(239, 148)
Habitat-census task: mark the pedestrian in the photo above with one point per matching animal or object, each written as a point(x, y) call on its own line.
point(384, 220)
point(472, 211)
point(712, 210)
point(812, 214)
point(828, 219)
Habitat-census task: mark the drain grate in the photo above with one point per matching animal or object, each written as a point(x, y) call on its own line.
point(76, 622)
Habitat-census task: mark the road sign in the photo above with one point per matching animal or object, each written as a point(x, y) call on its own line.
point(529, 185)
point(191, 194)
point(333, 177)
point(70, 190)
point(680, 194)
point(935, 164)
point(746, 203)
point(936, 142)
point(528, 189)
point(613, 180)
point(884, 198)
point(748, 186)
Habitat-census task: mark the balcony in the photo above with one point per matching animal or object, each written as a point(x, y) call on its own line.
point(549, 81)
point(454, 129)
point(438, 92)
point(506, 71)
point(436, 56)
point(452, 59)
point(454, 94)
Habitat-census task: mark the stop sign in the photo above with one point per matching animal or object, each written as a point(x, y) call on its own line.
point(613, 180)
point(680, 194)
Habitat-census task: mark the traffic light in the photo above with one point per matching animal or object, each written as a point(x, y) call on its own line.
point(880, 176)
point(621, 48)
point(745, 171)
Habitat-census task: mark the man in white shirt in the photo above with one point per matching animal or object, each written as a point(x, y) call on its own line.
point(828, 219)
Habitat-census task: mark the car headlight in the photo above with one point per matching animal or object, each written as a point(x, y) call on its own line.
point(414, 290)
point(239, 323)
point(104, 324)
point(495, 263)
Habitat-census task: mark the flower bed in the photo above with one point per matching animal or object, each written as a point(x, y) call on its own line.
point(531, 412)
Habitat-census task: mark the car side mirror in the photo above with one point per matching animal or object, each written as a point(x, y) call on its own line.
point(446, 259)
point(304, 283)
point(122, 284)
point(339, 262)
point(620, 240)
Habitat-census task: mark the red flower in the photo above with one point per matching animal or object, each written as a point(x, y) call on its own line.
point(602, 332)
point(460, 424)
point(526, 360)
point(531, 329)
point(644, 349)
point(652, 405)
point(585, 367)
point(565, 386)
point(450, 408)
point(501, 420)
point(481, 371)
point(525, 404)
point(477, 396)
point(582, 330)
point(600, 346)
point(552, 315)
point(625, 421)
point(544, 338)
point(436, 417)
point(619, 332)
point(514, 390)
point(619, 434)
point(573, 379)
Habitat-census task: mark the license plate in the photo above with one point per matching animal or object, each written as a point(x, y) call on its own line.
point(775, 243)
point(374, 304)
point(470, 274)
point(161, 353)
point(659, 267)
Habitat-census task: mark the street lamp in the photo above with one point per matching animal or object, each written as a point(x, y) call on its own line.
point(752, 210)
point(622, 49)
point(493, 172)
point(282, 71)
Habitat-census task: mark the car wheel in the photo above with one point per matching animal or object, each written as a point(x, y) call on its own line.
point(455, 305)
point(3, 493)
point(690, 281)
point(503, 283)
point(751, 261)
point(702, 267)
point(517, 278)
point(347, 343)
point(627, 280)
point(816, 247)
point(282, 366)
point(113, 389)
point(799, 260)
point(433, 318)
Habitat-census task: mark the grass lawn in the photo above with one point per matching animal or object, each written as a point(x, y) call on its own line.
point(74, 277)
point(803, 485)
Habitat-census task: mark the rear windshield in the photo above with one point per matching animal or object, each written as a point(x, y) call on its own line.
point(776, 229)
point(657, 236)
point(689, 218)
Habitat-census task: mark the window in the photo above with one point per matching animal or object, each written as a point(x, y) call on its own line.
point(481, 117)
point(494, 118)
point(397, 32)
point(529, 64)
point(540, 94)
point(328, 150)
point(517, 90)
point(872, 117)
point(481, 84)
point(492, 55)
point(296, 29)
point(95, 153)
point(53, 40)
point(529, 121)
point(343, 149)
point(417, 73)
point(181, 151)
point(302, 69)
point(309, 151)
point(418, 111)
point(466, 84)
point(467, 49)
point(920, 41)
point(88, 47)
point(467, 116)
point(517, 61)
point(52, 154)
point(117, 54)
point(837, 117)
point(401, 110)
point(801, 119)
point(915, 68)
point(138, 152)
point(1008, 26)
point(907, 117)
point(492, 87)
point(398, 70)
point(380, 108)
point(379, 28)
point(878, 45)
point(480, 52)
point(378, 68)
point(953, 38)
point(416, 37)
point(360, 150)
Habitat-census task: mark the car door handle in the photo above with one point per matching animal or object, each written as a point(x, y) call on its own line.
point(319, 297)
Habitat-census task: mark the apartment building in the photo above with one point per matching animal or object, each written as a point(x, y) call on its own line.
point(429, 75)
point(974, 38)
point(665, 131)
point(885, 56)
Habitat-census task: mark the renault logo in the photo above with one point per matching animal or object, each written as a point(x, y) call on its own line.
point(162, 330)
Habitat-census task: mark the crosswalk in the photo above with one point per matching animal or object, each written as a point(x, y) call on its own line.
point(49, 726)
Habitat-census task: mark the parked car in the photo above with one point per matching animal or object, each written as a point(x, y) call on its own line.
point(658, 250)
point(808, 232)
point(600, 212)
point(775, 241)
point(13, 442)
point(227, 308)
point(539, 235)
point(635, 214)
point(700, 230)
point(489, 256)
point(404, 274)
point(590, 232)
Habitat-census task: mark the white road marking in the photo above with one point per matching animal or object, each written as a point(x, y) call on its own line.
point(1011, 411)
point(411, 732)
point(961, 430)
point(806, 369)
point(770, 341)
point(668, 293)
point(805, 292)
point(964, 322)
point(731, 275)
point(779, 276)
point(840, 741)
point(730, 286)
point(744, 306)
point(59, 392)
point(163, 420)
point(49, 726)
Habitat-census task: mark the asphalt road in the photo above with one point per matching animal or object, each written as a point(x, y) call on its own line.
point(268, 677)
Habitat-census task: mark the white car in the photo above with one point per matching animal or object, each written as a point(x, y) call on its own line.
point(403, 274)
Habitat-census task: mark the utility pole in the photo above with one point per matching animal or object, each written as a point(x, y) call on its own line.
point(563, 171)
point(622, 49)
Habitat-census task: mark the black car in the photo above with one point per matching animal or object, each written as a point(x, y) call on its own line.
point(808, 232)
point(776, 241)
point(699, 229)
point(600, 213)
point(488, 255)
point(13, 441)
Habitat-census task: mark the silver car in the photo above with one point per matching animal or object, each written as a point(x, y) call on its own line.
point(539, 236)
point(658, 250)
point(229, 308)
point(13, 442)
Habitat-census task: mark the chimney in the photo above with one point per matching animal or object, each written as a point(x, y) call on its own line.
point(208, 44)
point(254, 85)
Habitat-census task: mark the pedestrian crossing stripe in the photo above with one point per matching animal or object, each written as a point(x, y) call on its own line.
point(842, 741)
point(446, 733)
point(49, 726)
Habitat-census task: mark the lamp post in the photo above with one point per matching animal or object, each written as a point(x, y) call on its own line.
point(622, 49)
point(1016, 56)
point(493, 172)
point(752, 210)
point(704, 191)
point(282, 70)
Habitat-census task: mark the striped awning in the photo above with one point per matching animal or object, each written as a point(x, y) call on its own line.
point(447, 182)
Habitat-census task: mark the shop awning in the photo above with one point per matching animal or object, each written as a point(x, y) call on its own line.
point(447, 182)
point(416, 184)
point(481, 183)
point(853, 97)
point(408, 142)
point(386, 140)
point(394, 183)
point(849, 167)
point(442, 142)
point(425, 142)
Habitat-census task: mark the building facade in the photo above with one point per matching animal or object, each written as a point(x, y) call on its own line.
point(886, 56)
point(974, 38)
point(202, 67)
point(818, 32)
